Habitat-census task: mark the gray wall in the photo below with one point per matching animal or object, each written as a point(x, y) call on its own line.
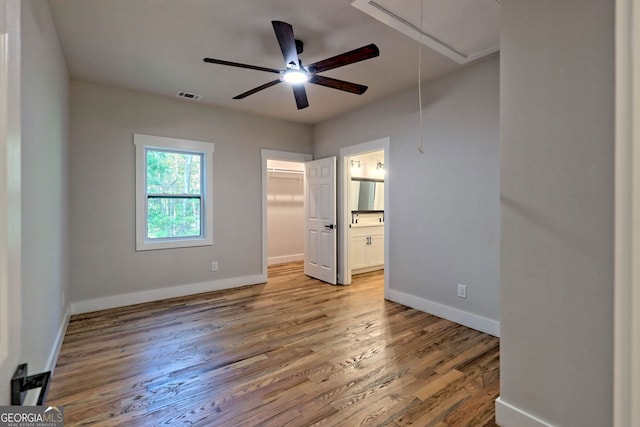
point(103, 257)
point(45, 277)
point(557, 139)
point(444, 215)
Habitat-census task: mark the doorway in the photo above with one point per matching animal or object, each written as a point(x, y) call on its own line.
point(285, 212)
point(283, 169)
point(366, 206)
point(364, 225)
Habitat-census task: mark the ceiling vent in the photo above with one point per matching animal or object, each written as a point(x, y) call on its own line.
point(462, 30)
point(188, 95)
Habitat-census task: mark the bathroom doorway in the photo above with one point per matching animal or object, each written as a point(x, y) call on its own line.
point(364, 210)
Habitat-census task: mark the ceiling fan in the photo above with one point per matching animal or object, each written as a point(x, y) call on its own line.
point(297, 74)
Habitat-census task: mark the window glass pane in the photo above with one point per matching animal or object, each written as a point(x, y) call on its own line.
point(170, 172)
point(173, 217)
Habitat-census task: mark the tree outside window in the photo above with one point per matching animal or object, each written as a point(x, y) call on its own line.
point(174, 201)
point(173, 196)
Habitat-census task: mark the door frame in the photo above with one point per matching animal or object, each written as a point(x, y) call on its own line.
point(286, 156)
point(626, 365)
point(10, 195)
point(344, 184)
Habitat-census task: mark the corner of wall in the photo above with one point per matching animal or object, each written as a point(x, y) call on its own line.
point(470, 320)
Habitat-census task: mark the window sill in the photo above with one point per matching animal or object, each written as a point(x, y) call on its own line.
point(172, 244)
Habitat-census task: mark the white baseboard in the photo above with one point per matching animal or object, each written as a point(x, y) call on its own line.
point(121, 300)
point(285, 258)
point(483, 324)
point(508, 415)
point(31, 398)
point(367, 269)
point(55, 351)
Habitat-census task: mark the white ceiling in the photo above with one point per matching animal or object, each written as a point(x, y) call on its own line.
point(157, 46)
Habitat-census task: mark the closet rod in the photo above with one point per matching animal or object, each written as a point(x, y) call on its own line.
point(285, 171)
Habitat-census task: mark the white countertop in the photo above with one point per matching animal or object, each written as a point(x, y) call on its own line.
point(367, 224)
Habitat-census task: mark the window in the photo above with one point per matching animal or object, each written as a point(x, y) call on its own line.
point(173, 193)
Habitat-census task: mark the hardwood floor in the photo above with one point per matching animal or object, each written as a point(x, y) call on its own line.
point(292, 352)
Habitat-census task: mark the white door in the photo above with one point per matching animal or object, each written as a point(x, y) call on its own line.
point(320, 220)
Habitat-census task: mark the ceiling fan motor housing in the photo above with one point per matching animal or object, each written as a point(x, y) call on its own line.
point(296, 74)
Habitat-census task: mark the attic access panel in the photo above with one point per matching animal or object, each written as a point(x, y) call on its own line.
point(462, 30)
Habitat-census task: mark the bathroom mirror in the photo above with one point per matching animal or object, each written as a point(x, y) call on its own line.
point(367, 194)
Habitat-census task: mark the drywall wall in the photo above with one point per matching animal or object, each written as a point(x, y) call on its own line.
point(444, 219)
point(557, 150)
point(45, 116)
point(104, 262)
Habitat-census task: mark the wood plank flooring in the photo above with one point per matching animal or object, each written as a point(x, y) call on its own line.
point(292, 352)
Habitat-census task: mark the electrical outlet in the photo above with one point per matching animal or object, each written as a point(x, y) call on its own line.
point(462, 291)
point(214, 266)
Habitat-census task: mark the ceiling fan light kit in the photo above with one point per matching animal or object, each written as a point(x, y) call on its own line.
point(296, 74)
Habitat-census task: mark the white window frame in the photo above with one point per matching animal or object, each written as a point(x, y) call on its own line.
point(142, 143)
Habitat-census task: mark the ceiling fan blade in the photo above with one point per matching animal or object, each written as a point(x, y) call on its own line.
point(237, 64)
point(287, 42)
point(301, 96)
point(338, 84)
point(257, 89)
point(356, 55)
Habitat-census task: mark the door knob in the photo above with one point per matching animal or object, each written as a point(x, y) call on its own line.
point(330, 226)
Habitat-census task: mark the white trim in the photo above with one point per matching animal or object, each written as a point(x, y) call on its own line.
point(31, 399)
point(377, 11)
point(285, 156)
point(122, 300)
point(284, 259)
point(57, 344)
point(10, 195)
point(508, 415)
point(626, 368)
point(474, 321)
point(142, 142)
point(344, 267)
point(5, 187)
point(367, 269)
